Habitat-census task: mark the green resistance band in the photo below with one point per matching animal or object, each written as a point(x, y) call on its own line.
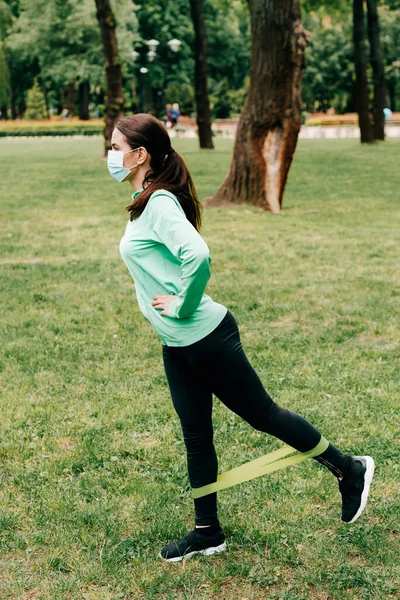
point(268, 463)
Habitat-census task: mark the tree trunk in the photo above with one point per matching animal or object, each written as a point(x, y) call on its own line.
point(360, 62)
point(378, 70)
point(392, 95)
point(271, 116)
point(201, 85)
point(115, 97)
point(13, 106)
point(69, 98)
point(21, 108)
point(84, 89)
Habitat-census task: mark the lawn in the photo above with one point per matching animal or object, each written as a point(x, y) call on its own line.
point(92, 461)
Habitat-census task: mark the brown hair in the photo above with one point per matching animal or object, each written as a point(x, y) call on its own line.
point(167, 168)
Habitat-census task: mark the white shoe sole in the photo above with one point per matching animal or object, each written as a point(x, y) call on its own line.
point(369, 473)
point(206, 552)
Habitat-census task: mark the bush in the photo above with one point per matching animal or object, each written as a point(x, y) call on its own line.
point(36, 104)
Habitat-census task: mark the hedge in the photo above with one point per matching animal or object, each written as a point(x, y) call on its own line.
point(40, 131)
point(51, 127)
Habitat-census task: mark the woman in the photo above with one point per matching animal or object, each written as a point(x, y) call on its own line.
point(201, 348)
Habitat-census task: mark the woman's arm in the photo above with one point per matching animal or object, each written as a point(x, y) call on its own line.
point(170, 226)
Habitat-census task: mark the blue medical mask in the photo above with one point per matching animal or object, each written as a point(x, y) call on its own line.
point(115, 163)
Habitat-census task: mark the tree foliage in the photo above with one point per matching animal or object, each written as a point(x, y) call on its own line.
point(328, 76)
point(58, 41)
point(390, 26)
point(4, 78)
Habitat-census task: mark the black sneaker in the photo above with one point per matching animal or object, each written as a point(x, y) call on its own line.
point(194, 543)
point(355, 488)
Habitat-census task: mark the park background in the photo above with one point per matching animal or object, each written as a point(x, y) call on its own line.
point(93, 478)
point(57, 47)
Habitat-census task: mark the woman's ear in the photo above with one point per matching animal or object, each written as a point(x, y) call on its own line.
point(142, 155)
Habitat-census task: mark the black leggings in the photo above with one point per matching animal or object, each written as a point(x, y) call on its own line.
point(217, 364)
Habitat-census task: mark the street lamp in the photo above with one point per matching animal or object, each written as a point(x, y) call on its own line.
point(174, 44)
point(145, 70)
point(152, 44)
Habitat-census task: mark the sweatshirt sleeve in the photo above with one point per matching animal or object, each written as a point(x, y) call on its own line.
point(170, 226)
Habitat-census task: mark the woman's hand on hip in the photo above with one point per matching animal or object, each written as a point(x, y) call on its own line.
point(163, 301)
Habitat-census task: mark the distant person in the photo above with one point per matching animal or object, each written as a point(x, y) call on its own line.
point(176, 113)
point(388, 114)
point(167, 118)
point(169, 262)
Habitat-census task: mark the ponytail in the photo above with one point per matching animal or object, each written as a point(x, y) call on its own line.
point(167, 168)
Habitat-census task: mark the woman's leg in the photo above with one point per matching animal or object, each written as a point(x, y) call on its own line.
point(192, 400)
point(220, 361)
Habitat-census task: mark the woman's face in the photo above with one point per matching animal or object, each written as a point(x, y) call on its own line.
point(119, 142)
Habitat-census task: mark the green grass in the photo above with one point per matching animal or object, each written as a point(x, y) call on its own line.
point(93, 467)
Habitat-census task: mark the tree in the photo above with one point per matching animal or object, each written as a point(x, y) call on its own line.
point(5, 20)
point(84, 89)
point(228, 47)
point(390, 20)
point(36, 104)
point(360, 63)
point(4, 83)
point(340, 8)
point(203, 116)
point(328, 74)
point(378, 70)
point(70, 29)
point(73, 72)
point(271, 117)
point(115, 97)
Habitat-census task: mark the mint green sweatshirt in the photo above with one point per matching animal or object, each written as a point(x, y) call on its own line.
point(165, 254)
